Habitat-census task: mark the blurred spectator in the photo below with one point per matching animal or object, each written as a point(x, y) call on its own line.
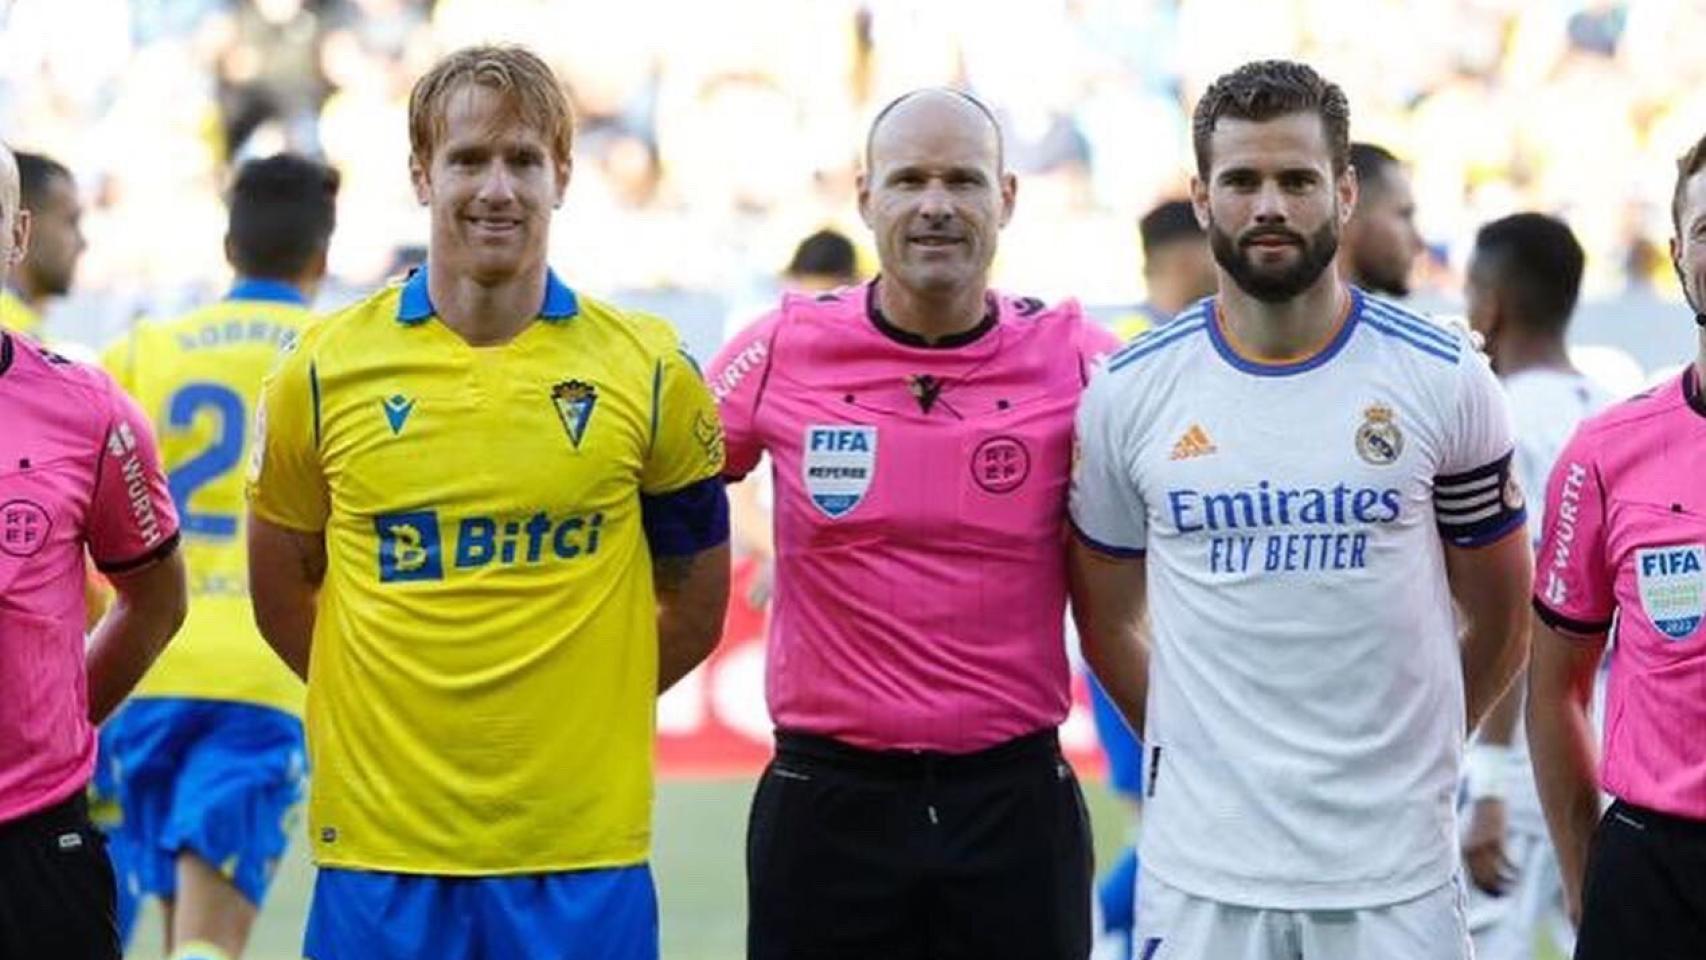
point(707, 148)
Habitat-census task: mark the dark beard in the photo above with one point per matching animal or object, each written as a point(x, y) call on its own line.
point(1316, 255)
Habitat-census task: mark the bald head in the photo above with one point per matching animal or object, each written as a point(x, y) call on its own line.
point(9, 190)
point(927, 106)
point(14, 223)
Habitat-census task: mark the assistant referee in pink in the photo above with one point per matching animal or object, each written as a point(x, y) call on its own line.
point(1624, 553)
point(78, 472)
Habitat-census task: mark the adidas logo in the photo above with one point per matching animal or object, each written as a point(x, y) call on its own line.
point(1194, 443)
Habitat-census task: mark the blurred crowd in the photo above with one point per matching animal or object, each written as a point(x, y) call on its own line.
point(712, 136)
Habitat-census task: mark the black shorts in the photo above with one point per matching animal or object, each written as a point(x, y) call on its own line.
point(857, 854)
point(1644, 895)
point(56, 887)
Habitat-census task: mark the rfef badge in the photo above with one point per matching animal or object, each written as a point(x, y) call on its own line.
point(1672, 583)
point(574, 401)
point(837, 464)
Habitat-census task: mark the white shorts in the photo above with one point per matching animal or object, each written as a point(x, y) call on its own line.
point(1174, 925)
point(1506, 927)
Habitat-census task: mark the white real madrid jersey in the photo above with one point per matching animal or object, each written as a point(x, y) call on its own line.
point(1306, 710)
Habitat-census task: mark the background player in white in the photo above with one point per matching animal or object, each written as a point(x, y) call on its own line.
point(1524, 277)
point(1302, 478)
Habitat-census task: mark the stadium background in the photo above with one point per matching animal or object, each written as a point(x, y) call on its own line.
point(713, 135)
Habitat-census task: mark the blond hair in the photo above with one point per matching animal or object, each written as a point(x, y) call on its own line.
point(534, 95)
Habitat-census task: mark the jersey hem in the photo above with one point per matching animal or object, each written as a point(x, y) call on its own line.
point(432, 870)
point(136, 563)
point(1108, 549)
point(1261, 895)
point(1558, 621)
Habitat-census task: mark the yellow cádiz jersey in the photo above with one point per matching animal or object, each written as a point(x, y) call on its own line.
point(484, 667)
point(198, 378)
point(16, 315)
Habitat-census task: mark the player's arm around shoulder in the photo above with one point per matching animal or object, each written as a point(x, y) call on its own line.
point(1482, 518)
point(685, 513)
point(1106, 553)
point(288, 504)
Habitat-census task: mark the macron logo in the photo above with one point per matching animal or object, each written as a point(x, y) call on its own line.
point(397, 409)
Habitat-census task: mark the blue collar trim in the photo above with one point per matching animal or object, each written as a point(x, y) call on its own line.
point(415, 305)
point(274, 291)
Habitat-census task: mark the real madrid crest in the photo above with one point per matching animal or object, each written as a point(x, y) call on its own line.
point(574, 400)
point(1378, 440)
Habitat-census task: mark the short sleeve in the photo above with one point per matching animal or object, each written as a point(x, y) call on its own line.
point(1573, 583)
point(683, 507)
point(1107, 509)
point(737, 377)
point(286, 485)
point(131, 519)
point(1477, 498)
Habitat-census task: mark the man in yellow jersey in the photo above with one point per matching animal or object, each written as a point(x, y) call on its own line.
point(207, 759)
point(487, 526)
point(56, 243)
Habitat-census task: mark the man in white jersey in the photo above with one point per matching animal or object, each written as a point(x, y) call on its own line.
point(1523, 280)
point(1295, 481)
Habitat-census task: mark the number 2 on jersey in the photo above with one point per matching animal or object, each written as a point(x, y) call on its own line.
point(211, 463)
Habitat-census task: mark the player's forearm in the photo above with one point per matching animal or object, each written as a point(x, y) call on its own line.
point(1498, 727)
point(693, 596)
point(148, 610)
point(1492, 587)
point(1561, 745)
point(286, 568)
point(1107, 607)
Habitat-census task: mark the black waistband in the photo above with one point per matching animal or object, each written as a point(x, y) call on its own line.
point(1679, 826)
point(72, 813)
point(1042, 745)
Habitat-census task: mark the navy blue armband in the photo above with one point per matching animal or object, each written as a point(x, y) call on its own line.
point(1480, 506)
point(686, 521)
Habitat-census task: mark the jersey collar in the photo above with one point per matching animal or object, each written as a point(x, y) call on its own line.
point(1692, 390)
point(415, 305)
point(272, 291)
point(900, 335)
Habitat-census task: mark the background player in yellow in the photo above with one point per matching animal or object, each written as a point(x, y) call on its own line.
point(207, 760)
point(487, 526)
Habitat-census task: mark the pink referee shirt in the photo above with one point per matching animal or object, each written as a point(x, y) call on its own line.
point(1625, 535)
point(920, 501)
point(78, 470)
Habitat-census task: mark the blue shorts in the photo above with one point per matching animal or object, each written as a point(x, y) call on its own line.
point(572, 915)
point(1124, 751)
point(219, 779)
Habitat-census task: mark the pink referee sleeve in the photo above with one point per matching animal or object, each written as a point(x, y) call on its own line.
point(737, 377)
point(1573, 588)
point(131, 519)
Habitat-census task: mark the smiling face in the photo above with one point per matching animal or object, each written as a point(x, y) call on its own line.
point(935, 195)
point(1272, 204)
point(492, 183)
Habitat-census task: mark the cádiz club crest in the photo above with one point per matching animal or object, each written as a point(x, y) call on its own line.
point(574, 401)
point(1672, 582)
point(1379, 441)
point(837, 463)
